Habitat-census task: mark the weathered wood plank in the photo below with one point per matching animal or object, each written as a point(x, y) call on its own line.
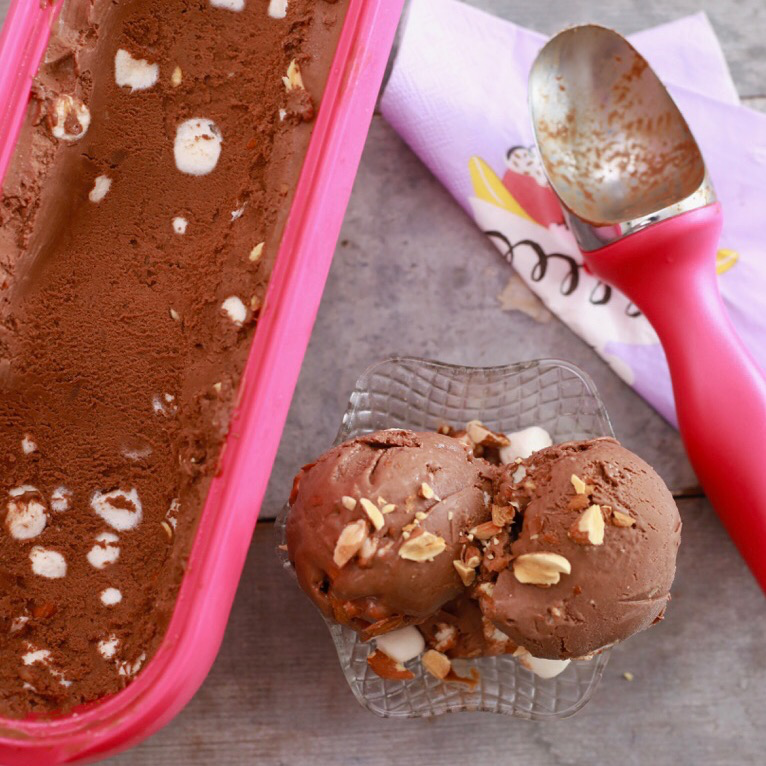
point(277, 696)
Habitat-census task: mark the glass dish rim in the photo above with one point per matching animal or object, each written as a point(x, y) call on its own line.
point(345, 432)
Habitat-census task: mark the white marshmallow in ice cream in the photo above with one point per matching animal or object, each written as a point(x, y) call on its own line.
point(402, 645)
point(523, 443)
point(197, 146)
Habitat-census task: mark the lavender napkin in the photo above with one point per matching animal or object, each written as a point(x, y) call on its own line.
point(458, 96)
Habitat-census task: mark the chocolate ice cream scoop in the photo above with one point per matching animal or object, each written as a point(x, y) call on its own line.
point(593, 551)
point(377, 522)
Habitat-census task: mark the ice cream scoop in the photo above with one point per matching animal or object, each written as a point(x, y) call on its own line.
point(376, 524)
point(592, 553)
point(623, 162)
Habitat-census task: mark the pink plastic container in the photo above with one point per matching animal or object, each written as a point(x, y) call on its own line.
point(226, 526)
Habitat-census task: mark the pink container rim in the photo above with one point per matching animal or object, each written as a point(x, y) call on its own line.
point(228, 519)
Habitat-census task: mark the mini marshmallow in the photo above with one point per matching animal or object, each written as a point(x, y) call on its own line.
point(19, 622)
point(137, 455)
point(110, 596)
point(105, 552)
point(101, 187)
point(107, 647)
point(47, 563)
point(277, 9)
point(64, 108)
point(235, 214)
point(401, 645)
point(28, 445)
point(26, 517)
point(136, 74)
point(164, 405)
point(22, 490)
point(172, 515)
point(235, 310)
point(33, 656)
point(197, 146)
point(229, 5)
point(180, 224)
point(523, 443)
point(130, 669)
point(119, 509)
point(60, 499)
point(540, 667)
point(43, 657)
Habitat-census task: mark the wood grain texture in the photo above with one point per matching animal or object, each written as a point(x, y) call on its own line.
point(413, 275)
point(277, 696)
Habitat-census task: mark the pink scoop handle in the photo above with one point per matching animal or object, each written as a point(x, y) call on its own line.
point(668, 271)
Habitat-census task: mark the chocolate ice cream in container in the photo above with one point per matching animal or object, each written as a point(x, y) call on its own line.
point(540, 402)
point(354, 57)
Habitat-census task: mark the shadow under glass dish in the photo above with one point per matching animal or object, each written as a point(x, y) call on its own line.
point(421, 395)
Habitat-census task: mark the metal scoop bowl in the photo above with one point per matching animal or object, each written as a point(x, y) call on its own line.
point(636, 194)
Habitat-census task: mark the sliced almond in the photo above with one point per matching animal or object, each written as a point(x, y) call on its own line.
point(540, 568)
point(177, 77)
point(620, 519)
point(502, 515)
point(478, 433)
point(579, 485)
point(375, 516)
point(349, 503)
point(385, 667)
point(293, 80)
point(368, 550)
point(257, 252)
point(437, 664)
point(588, 529)
point(486, 531)
point(471, 556)
point(350, 541)
point(388, 508)
point(382, 501)
point(467, 574)
point(485, 589)
point(427, 491)
point(445, 637)
point(424, 547)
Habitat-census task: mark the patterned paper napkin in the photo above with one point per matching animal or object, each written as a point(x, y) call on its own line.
point(458, 96)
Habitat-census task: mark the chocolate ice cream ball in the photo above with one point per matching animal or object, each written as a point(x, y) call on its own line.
point(591, 553)
point(376, 523)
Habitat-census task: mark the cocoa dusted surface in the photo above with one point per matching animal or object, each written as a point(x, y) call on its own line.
point(117, 364)
point(615, 589)
point(386, 591)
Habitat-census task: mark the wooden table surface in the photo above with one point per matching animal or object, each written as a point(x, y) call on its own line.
point(413, 275)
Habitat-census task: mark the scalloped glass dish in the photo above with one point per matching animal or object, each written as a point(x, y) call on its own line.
point(422, 395)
